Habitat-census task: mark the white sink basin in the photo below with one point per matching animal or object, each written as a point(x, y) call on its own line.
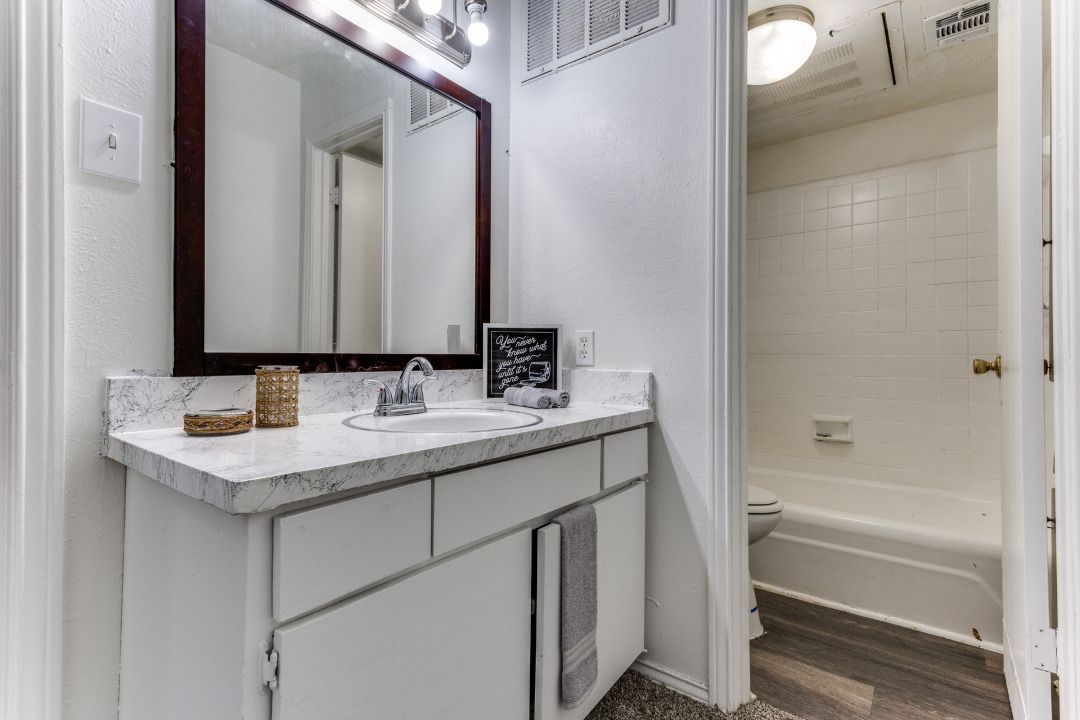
point(446, 420)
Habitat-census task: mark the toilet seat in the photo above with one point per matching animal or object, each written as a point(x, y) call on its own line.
point(762, 502)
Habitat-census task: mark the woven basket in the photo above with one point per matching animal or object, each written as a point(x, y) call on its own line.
point(218, 422)
point(277, 396)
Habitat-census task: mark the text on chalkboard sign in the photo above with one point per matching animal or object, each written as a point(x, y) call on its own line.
point(520, 355)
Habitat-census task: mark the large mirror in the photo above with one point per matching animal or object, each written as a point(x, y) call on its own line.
point(343, 195)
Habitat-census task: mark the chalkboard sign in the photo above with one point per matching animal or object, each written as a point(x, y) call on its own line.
point(520, 355)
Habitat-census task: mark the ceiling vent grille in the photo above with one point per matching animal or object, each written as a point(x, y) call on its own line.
point(604, 19)
point(427, 107)
point(972, 21)
point(561, 32)
point(540, 37)
point(826, 73)
point(864, 56)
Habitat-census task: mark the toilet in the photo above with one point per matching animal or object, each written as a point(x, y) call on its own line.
point(764, 510)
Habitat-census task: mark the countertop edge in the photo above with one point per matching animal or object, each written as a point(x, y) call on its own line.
point(264, 493)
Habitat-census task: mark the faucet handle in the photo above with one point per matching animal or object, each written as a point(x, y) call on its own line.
point(385, 393)
point(416, 394)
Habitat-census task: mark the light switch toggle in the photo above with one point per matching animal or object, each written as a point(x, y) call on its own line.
point(112, 141)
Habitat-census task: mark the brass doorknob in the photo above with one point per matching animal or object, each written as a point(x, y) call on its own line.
point(981, 367)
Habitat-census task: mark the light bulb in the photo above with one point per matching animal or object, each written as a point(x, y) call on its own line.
point(478, 30)
point(780, 42)
point(431, 6)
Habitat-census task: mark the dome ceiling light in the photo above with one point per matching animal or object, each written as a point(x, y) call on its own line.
point(779, 42)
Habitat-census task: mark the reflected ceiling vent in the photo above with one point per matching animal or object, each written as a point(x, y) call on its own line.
point(972, 21)
point(427, 107)
point(861, 56)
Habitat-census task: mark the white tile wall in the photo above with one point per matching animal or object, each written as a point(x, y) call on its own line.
point(869, 295)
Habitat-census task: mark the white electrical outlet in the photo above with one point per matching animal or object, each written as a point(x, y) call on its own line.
point(584, 347)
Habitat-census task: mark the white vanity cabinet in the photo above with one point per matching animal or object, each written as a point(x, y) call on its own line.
point(429, 597)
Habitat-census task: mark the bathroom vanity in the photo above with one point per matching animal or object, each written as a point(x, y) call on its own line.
point(335, 569)
point(325, 571)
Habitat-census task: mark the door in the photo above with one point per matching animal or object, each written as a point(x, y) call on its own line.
point(1019, 172)
point(360, 256)
point(450, 642)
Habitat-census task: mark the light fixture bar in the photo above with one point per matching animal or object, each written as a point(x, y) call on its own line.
point(434, 31)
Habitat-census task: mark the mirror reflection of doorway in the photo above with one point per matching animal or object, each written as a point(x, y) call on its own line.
point(346, 267)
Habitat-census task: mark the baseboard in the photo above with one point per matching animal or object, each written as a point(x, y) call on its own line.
point(676, 681)
point(891, 619)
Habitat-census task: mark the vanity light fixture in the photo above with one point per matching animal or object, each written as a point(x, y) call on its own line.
point(478, 30)
point(431, 7)
point(779, 42)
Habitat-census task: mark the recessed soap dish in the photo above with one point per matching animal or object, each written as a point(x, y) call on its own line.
point(833, 428)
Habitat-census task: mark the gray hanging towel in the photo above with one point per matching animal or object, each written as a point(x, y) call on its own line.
point(578, 604)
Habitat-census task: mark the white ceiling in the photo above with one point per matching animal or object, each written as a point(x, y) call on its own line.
point(935, 77)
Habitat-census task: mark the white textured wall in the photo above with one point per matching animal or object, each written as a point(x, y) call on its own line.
point(610, 228)
point(118, 311)
point(119, 294)
point(869, 296)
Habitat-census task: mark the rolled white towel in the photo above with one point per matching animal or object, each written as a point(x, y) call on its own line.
point(538, 398)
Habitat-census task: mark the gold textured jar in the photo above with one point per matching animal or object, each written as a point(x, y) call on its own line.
point(277, 396)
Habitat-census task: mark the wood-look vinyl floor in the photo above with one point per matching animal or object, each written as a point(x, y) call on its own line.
point(823, 664)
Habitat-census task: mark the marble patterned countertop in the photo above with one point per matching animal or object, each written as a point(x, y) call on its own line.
point(267, 468)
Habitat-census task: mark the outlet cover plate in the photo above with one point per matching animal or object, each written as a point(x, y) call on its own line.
point(584, 348)
point(100, 123)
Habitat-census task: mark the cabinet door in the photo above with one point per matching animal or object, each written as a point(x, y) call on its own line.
point(451, 641)
point(620, 601)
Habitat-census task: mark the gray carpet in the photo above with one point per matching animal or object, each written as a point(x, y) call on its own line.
point(635, 697)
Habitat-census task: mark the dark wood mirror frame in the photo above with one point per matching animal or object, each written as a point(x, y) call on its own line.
point(189, 250)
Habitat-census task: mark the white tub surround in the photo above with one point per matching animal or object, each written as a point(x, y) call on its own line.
point(267, 468)
point(327, 571)
point(925, 559)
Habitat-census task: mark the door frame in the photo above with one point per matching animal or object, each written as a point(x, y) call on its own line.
point(1065, 223)
point(728, 547)
point(729, 684)
point(319, 223)
point(32, 368)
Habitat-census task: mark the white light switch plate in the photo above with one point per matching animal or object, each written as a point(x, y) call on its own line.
point(99, 124)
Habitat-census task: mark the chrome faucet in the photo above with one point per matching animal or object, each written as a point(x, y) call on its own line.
point(408, 397)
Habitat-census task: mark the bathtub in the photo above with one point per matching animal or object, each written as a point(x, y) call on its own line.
point(925, 559)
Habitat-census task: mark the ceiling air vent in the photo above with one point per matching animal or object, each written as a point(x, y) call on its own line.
point(863, 56)
point(562, 32)
point(974, 20)
point(827, 73)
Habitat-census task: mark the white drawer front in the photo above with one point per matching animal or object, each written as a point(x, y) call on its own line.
point(626, 456)
point(473, 504)
point(450, 642)
point(327, 552)
point(620, 602)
